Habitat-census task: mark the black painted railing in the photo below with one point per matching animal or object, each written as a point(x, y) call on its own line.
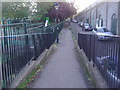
point(21, 43)
point(104, 51)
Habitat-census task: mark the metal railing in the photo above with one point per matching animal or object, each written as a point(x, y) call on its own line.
point(105, 55)
point(20, 43)
point(20, 28)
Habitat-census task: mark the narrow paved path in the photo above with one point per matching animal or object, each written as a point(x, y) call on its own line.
point(63, 69)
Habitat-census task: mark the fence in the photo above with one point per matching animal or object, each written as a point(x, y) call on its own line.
point(105, 55)
point(19, 26)
point(20, 43)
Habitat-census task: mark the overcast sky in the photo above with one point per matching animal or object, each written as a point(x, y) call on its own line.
point(82, 4)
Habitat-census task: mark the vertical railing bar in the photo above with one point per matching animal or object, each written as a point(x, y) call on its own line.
point(9, 60)
point(3, 64)
point(117, 58)
point(15, 55)
point(18, 42)
point(19, 57)
point(7, 53)
point(12, 48)
point(9, 49)
point(12, 51)
point(118, 69)
point(100, 46)
point(113, 57)
point(116, 84)
point(22, 56)
point(6, 61)
point(1, 71)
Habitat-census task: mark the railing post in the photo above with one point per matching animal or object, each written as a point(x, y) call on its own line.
point(35, 52)
point(43, 29)
point(1, 64)
point(118, 70)
point(93, 49)
point(25, 26)
point(26, 39)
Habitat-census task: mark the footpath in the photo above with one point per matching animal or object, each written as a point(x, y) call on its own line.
point(63, 69)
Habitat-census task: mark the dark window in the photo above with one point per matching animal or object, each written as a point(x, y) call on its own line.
point(100, 21)
point(105, 30)
point(114, 24)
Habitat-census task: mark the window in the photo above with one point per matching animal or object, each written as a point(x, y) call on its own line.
point(105, 30)
point(100, 21)
point(87, 20)
point(114, 24)
point(100, 30)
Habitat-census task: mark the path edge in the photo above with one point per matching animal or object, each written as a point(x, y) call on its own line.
point(22, 76)
point(94, 73)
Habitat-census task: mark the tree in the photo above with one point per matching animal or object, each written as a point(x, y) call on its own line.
point(15, 9)
point(35, 10)
point(42, 10)
point(66, 10)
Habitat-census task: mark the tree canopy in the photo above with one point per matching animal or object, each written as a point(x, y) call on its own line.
point(66, 10)
point(37, 11)
point(42, 9)
point(15, 9)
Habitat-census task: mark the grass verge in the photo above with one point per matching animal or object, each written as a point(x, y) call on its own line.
point(30, 77)
point(90, 78)
point(36, 70)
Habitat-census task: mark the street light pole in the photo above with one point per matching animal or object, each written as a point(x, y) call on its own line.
point(57, 8)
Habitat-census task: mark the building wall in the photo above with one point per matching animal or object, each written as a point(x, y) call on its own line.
point(101, 10)
point(87, 14)
point(119, 18)
point(93, 17)
point(112, 9)
point(82, 17)
point(105, 9)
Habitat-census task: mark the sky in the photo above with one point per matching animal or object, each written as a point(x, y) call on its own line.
point(82, 4)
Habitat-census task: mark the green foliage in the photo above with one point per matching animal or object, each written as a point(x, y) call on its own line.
point(30, 77)
point(26, 9)
point(42, 11)
point(36, 18)
point(15, 9)
point(42, 7)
